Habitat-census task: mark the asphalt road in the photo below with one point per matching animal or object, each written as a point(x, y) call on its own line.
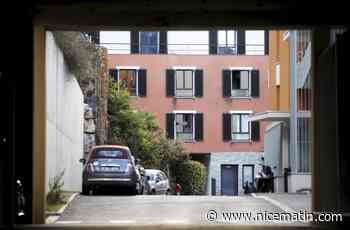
point(163, 209)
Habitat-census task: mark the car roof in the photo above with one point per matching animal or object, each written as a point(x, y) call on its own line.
point(152, 171)
point(111, 146)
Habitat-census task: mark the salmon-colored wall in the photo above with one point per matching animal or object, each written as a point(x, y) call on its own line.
point(278, 96)
point(212, 104)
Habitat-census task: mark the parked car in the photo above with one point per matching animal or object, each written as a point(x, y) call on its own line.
point(156, 182)
point(141, 171)
point(110, 165)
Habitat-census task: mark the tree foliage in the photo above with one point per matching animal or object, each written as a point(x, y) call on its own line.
point(139, 131)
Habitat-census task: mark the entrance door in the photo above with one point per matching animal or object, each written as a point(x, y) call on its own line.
point(229, 180)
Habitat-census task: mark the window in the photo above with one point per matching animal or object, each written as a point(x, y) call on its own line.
point(131, 78)
point(236, 127)
point(255, 42)
point(117, 42)
point(227, 42)
point(240, 82)
point(184, 83)
point(184, 126)
point(247, 174)
point(128, 80)
point(188, 42)
point(240, 126)
point(149, 42)
point(278, 74)
point(111, 153)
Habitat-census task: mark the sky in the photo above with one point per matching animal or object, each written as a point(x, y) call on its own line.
point(180, 42)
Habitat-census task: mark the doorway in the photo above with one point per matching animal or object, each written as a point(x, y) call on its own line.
point(229, 180)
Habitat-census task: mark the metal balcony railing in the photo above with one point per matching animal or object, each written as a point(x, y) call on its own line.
point(182, 48)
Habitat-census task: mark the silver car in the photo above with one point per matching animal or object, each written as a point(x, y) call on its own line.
point(156, 182)
point(110, 165)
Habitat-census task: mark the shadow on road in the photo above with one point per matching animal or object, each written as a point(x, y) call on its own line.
point(112, 191)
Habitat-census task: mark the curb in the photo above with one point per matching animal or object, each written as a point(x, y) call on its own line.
point(56, 215)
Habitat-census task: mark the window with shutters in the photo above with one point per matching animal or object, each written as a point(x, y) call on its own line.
point(240, 83)
point(127, 79)
point(184, 127)
point(240, 126)
point(132, 79)
point(184, 83)
point(227, 42)
point(237, 127)
point(149, 42)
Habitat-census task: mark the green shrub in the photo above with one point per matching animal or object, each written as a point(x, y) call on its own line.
point(55, 194)
point(191, 175)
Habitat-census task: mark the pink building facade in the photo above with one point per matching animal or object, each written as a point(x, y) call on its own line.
point(204, 101)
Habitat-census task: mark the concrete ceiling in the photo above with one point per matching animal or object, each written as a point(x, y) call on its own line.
point(188, 14)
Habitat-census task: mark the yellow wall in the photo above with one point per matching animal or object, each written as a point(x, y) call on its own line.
point(278, 99)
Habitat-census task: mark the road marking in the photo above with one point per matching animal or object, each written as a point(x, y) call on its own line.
point(174, 222)
point(69, 222)
point(285, 208)
point(122, 221)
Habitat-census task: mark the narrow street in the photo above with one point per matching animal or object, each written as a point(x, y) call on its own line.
point(126, 210)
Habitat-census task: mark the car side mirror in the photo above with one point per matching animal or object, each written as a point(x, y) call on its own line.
point(82, 160)
point(157, 180)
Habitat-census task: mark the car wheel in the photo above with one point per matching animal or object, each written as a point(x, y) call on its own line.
point(85, 190)
point(153, 192)
point(133, 190)
point(167, 192)
point(141, 190)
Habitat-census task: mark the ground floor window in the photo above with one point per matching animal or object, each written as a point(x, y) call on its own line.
point(184, 126)
point(247, 174)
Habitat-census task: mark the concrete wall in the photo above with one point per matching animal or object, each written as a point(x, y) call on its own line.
point(64, 124)
point(212, 104)
point(299, 181)
point(273, 148)
point(237, 158)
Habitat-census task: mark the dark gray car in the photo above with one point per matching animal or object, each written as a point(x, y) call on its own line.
point(110, 165)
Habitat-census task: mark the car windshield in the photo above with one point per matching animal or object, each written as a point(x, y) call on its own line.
point(111, 153)
point(151, 176)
